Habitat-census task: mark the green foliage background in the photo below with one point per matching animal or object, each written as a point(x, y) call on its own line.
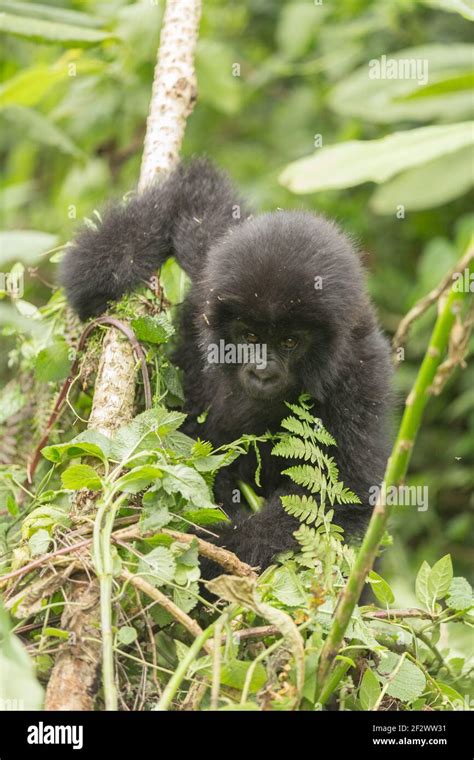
point(75, 100)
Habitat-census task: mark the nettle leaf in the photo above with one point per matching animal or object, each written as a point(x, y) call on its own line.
point(421, 584)
point(205, 516)
point(52, 32)
point(158, 566)
point(53, 362)
point(409, 682)
point(89, 443)
point(127, 634)
point(190, 484)
point(369, 691)
point(186, 598)
point(460, 594)
point(39, 542)
point(81, 476)
point(146, 431)
point(153, 329)
point(286, 589)
point(139, 478)
point(440, 577)
point(154, 517)
point(381, 588)
point(234, 673)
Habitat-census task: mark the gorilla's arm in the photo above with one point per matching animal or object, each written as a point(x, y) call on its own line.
point(181, 216)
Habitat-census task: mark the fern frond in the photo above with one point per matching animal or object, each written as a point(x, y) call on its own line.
point(305, 508)
point(306, 476)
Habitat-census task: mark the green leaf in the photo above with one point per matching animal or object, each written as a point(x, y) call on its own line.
point(90, 443)
point(127, 634)
point(421, 584)
point(139, 478)
point(460, 594)
point(153, 329)
point(234, 673)
point(174, 280)
point(81, 476)
point(41, 129)
point(51, 13)
point(158, 566)
point(51, 32)
point(53, 362)
point(409, 682)
point(463, 7)
point(25, 245)
point(356, 161)
point(381, 588)
point(378, 100)
point(440, 577)
point(39, 542)
point(428, 186)
point(18, 684)
point(189, 483)
point(286, 588)
point(369, 691)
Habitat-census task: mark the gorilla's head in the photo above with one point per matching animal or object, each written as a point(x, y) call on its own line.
point(289, 286)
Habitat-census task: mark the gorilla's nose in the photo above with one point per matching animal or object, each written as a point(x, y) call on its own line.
point(264, 379)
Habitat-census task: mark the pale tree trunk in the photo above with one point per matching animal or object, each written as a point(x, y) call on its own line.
point(75, 677)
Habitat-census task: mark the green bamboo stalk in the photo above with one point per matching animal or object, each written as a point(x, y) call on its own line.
point(394, 474)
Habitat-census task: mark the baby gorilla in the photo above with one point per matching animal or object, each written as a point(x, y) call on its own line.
point(288, 284)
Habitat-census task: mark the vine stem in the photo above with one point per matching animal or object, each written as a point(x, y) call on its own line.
point(395, 472)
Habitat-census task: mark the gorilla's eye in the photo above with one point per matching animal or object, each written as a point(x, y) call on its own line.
point(250, 337)
point(289, 342)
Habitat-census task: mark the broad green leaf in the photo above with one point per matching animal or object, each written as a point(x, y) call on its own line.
point(186, 598)
point(39, 542)
point(50, 13)
point(81, 476)
point(40, 129)
point(147, 430)
point(51, 32)
point(455, 83)
point(29, 86)
point(153, 329)
point(369, 691)
point(89, 443)
point(356, 161)
point(174, 280)
point(234, 673)
point(381, 588)
point(139, 478)
point(378, 99)
point(53, 362)
point(440, 577)
point(460, 594)
point(26, 245)
point(463, 7)
point(428, 186)
point(127, 634)
point(205, 516)
point(189, 483)
point(158, 566)
point(409, 682)
point(18, 685)
point(286, 588)
point(421, 584)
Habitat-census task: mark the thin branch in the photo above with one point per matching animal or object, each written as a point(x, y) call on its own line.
point(397, 467)
point(167, 604)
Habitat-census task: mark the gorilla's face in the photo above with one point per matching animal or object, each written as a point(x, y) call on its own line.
point(270, 358)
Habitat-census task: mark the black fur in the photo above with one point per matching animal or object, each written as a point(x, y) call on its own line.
point(262, 271)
